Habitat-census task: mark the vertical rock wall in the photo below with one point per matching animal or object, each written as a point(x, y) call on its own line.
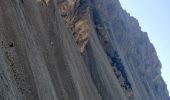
point(75, 50)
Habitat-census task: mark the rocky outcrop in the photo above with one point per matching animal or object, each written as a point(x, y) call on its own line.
point(75, 50)
point(76, 14)
point(133, 46)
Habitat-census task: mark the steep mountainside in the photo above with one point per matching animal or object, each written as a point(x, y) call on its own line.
point(75, 50)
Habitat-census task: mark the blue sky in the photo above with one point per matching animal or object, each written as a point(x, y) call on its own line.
point(154, 18)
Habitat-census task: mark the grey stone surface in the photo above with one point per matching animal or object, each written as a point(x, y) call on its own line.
point(40, 58)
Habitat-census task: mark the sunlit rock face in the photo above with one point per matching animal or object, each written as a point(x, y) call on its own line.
point(43, 1)
point(75, 50)
point(76, 15)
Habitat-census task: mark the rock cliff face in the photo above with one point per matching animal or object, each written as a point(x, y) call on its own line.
point(75, 50)
point(76, 14)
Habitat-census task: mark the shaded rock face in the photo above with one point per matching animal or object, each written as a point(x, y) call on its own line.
point(75, 50)
point(133, 46)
